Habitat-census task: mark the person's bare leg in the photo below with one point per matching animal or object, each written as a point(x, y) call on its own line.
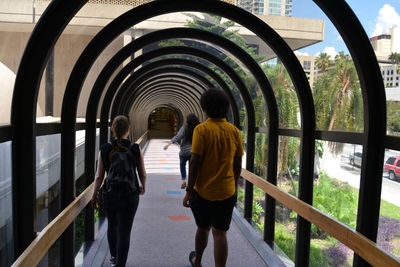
point(220, 247)
point(201, 243)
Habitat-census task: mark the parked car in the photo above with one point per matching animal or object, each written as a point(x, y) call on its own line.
point(355, 159)
point(392, 167)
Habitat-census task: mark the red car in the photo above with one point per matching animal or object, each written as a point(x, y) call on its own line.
point(392, 167)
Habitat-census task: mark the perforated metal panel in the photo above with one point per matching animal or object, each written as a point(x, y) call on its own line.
point(128, 2)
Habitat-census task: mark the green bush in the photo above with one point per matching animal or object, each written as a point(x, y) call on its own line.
point(336, 200)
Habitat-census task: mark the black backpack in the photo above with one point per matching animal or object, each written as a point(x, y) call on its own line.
point(121, 177)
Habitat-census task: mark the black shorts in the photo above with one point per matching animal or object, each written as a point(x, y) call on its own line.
point(217, 214)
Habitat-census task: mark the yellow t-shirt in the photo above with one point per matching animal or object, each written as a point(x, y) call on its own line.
point(218, 141)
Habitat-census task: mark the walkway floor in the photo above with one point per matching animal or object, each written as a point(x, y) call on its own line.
point(163, 230)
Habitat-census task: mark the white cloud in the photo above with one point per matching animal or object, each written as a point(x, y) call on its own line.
point(298, 53)
point(330, 51)
point(387, 18)
point(339, 37)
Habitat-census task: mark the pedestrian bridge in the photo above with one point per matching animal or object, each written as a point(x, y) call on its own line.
point(141, 78)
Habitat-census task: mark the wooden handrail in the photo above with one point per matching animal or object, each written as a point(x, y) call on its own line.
point(360, 244)
point(142, 137)
point(42, 243)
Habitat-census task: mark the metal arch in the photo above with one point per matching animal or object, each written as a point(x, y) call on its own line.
point(121, 76)
point(161, 89)
point(178, 77)
point(222, 65)
point(179, 85)
point(221, 82)
point(62, 13)
point(194, 100)
point(211, 6)
point(180, 101)
point(23, 117)
point(179, 98)
point(145, 85)
point(374, 99)
point(151, 55)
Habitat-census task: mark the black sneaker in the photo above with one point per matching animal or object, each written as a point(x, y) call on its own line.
point(113, 261)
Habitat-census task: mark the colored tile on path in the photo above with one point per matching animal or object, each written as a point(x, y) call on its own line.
point(168, 169)
point(179, 218)
point(171, 192)
point(170, 179)
point(163, 160)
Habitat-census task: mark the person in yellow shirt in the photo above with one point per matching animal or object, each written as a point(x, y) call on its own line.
point(214, 170)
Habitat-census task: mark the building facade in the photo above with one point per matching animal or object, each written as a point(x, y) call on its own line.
point(310, 69)
point(267, 7)
point(389, 75)
point(385, 44)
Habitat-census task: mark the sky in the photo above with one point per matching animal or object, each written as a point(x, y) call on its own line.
point(376, 16)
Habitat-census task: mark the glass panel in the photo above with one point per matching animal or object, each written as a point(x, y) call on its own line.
point(327, 251)
point(334, 80)
point(286, 97)
point(79, 154)
point(48, 188)
point(6, 220)
point(285, 230)
point(242, 182)
point(17, 20)
point(389, 221)
point(336, 186)
point(288, 171)
point(288, 164)
point(261, 155)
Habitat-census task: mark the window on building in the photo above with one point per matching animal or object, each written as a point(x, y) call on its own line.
point(307, 65)
point(387, 72)
point(391, 72)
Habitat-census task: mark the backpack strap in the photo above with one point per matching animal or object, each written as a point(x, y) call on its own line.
point(115, 148)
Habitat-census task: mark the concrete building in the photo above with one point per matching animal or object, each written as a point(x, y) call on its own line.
point(267, 7)
point(385, 44)
point(310, 69)
point(389, 75)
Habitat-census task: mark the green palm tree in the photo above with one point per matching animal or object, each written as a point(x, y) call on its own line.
point(288, 109)
point(337, 97)
point(323, 61)
point(394, 58)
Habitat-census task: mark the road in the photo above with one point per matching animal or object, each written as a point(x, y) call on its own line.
point(340, 168)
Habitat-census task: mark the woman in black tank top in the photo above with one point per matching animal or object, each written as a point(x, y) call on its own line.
point(120, 208)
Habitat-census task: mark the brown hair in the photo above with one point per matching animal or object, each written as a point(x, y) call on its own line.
point(120, 126)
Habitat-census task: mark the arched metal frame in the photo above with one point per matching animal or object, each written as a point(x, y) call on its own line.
point(121, 109)
point(160, 89)
point(268, 96)
point(220, 82)
point(120, 77)
point(59, 14)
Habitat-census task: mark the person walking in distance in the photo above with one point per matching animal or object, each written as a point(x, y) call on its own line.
point(214, 171)
point(184, 137)
point(120, 159)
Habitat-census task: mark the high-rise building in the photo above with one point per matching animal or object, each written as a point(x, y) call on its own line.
point(267, 7)
point(385, 44)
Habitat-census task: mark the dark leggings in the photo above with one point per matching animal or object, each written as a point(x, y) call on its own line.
point(182, 164)
point(120, 210)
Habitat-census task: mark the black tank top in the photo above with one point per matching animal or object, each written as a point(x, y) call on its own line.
point(105, 150)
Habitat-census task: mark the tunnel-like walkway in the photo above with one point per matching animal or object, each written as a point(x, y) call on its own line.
point(173, 77)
